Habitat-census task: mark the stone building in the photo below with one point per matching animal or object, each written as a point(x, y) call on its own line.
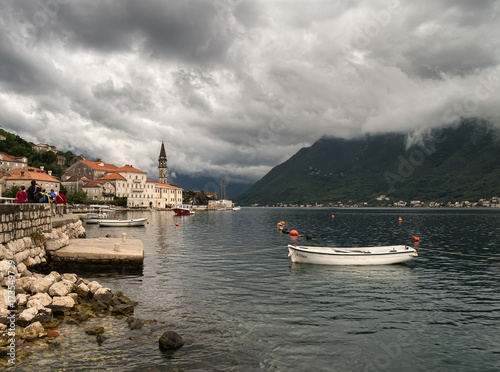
point(24, 176)
point(10, 162)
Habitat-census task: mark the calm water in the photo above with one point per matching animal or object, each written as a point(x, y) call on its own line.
point(223, 281)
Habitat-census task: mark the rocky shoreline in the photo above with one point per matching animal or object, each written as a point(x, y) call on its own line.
point(43, 302)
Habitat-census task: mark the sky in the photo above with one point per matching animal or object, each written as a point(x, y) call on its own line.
point(235, 87)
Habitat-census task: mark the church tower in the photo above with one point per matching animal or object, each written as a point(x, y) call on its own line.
point(162, 165)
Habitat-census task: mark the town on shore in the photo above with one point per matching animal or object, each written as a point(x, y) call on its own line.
point(384, 201)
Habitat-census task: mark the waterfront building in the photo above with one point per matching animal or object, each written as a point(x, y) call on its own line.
point(24, 176)
point(103, 181)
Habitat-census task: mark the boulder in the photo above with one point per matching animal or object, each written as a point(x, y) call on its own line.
point(170, 340)
point(122, 309)
point(34, 330)
point(135, 323)
point(94, 331)
point(4, 268)
point(27, 315)
point(44, 316)
point(81, 316)
point(22, 299)
point(62, 304)
point(94, 286)
point(34, 303)
point(82, 290)
point(55, 275)
point(25, 282)
point(103, 295)
point(70, 277)
point(61, 288)
point(44, 298)
point(41, 285)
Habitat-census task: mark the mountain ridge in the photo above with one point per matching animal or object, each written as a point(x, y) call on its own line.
point(459, 162)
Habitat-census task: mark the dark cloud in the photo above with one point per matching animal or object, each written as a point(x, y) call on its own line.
point(239, 85)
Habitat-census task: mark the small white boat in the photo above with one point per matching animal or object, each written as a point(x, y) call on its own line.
point(122, 223)
point(383, 255)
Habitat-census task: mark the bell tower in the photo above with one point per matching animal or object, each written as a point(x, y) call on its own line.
point(162, 165)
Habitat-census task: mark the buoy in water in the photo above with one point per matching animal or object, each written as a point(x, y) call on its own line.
point(416, 239)
point(176, 224)
point(400, 219)
point(294, 233)
point(333, 216)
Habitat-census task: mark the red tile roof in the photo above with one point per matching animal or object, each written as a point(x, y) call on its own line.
point(30, 173)
point(167, 185)
point(113, 177)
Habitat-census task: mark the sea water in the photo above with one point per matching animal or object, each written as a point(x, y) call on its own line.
point(223, 281)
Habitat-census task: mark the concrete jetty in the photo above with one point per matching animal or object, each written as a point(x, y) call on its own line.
point(100, 251)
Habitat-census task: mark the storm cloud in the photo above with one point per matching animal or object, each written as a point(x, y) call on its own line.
point(234, 87)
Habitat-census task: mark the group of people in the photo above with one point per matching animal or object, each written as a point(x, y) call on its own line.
point(38, 194)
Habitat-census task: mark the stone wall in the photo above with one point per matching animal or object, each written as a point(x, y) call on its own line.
point(19, 221)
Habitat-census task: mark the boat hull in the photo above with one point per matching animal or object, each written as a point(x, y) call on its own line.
point(351, 256)
point(183, 212)
point(122, 223)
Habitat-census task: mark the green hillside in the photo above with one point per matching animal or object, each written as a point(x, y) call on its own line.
point(459, 163)
point(16, 146)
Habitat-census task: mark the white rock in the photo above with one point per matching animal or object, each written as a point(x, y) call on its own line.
point(61, 288)
point(55, 275)
point(70, 277)
point(21, 299)
point(21, 268)
point(42, 285)
point(27, 315)
point(44, 298)
point(34, 303)
point(4, 267)
point(25, 282)
point(62, 304)
point(94, 286)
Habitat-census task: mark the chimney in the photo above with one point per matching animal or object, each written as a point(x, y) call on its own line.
point(22, 174)
point(49, 172)
point(42, 168)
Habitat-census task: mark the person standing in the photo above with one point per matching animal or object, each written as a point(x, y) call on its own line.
point(61, 202)
point(34, 192)
point(21, 195)
point(53, 206)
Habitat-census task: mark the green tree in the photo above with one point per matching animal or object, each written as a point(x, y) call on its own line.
point(11, 193)
point(77, 197)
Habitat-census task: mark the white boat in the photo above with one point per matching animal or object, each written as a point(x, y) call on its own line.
point(383, 255)
point(98, 212)
point(236, 208)
point(122, 223)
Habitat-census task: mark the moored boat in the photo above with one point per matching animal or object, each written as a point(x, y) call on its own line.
point(383, 255)
point(122, 223)
point(183, 211)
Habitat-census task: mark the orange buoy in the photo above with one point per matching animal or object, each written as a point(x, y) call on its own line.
point(283, 222)
point(294, 233)
point(333, 216)
point(416, 239)
point(176, 224)
point(400, 219)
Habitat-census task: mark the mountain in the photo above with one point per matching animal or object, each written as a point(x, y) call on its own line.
point(453, 163)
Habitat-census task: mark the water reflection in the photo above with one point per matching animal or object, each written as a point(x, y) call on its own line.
point(224, 282)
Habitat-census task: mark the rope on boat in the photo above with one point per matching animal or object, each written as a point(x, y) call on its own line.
point(225, 254)
point(460, 254)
